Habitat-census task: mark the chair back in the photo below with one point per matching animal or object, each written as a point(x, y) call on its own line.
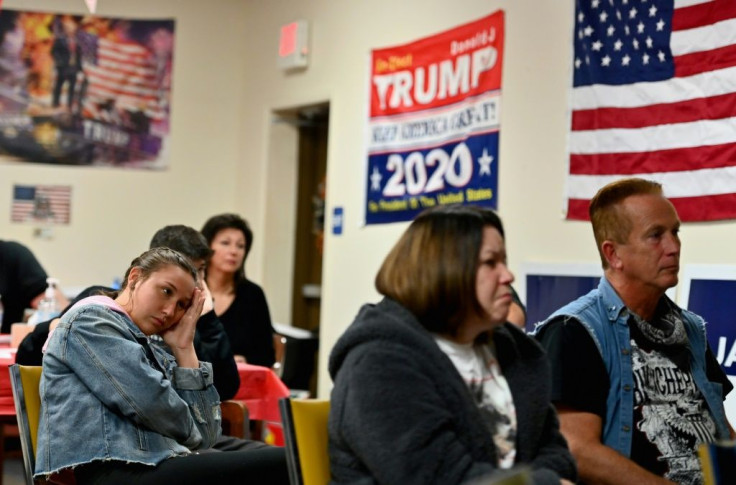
point(305, 434)
point(718, 461)
point(235, 419)
point(296, 350)
point(25, 381)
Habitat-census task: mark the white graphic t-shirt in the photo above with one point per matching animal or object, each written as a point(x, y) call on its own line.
point(670, 414)
point(479, 368)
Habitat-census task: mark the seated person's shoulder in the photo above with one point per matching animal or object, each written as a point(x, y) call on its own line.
point(15, 248)
point(30, 348)
point(251, 288)
point(560, 327)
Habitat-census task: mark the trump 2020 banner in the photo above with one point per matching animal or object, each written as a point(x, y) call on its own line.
point(434, 122)
point(85, 90)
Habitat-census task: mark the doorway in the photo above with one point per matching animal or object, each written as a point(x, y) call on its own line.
point(312, 123)
point(299, 160)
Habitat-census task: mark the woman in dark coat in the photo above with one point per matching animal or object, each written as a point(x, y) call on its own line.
point(431, 385)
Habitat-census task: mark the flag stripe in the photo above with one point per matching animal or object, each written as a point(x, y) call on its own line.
point(644, 94)
point(714, 107)
point(702, 208)
point(681, 4)
point(704, 38)
point(116, 55)
point(705, 208)
point(129, 48)
point(101, 89)
point(126, 68)
point(680, 159)
point(95, 73)
point(704, 13)
point(657, 137)
point(716, 59)
point(716, 181)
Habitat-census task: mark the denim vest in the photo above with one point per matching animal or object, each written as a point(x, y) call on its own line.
point(108, 394)
point(605, 317)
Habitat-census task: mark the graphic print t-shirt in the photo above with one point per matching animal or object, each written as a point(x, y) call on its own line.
point(481, 372)
point(670, 417)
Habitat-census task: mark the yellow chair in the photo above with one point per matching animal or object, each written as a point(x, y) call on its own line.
point(718, 461)
point(305, 434)
point(24, 381)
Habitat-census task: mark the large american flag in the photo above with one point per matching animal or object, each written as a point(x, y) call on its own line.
point(49, 204)
point(654, 95)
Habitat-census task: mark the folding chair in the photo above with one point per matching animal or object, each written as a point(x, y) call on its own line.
point(24, 381)
point(718, 461)
point(305, 434)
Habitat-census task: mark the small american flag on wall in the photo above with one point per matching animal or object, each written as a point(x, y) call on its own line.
point(49, 204)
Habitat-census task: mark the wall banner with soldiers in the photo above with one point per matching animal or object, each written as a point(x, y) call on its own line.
point(85, 90)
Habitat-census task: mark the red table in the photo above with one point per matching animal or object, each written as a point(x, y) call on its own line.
point(260, 389)
point(7, 358)
point(7, 407)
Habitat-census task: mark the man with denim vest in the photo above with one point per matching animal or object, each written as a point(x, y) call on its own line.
point(636, 386)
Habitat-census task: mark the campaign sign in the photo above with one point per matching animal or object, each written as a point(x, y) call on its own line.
point(547, 293)
point(337, 221)
point(713, 300)
point(434, 122)
point(709, 292)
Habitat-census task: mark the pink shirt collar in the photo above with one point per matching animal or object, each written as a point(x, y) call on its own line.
point(101, 300)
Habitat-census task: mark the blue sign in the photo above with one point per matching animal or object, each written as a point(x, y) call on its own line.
point(337, 221)
point(402, 184)
point(547, 293)
point(713, 300)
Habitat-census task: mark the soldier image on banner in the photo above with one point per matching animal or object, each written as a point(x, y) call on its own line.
point(85, 90)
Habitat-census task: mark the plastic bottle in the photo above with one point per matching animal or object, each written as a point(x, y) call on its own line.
point(48, 307)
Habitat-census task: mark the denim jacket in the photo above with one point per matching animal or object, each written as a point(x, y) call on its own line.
point(107, 394)
point(605, 317)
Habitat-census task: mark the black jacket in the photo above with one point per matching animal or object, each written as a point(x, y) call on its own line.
point(401, 413)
